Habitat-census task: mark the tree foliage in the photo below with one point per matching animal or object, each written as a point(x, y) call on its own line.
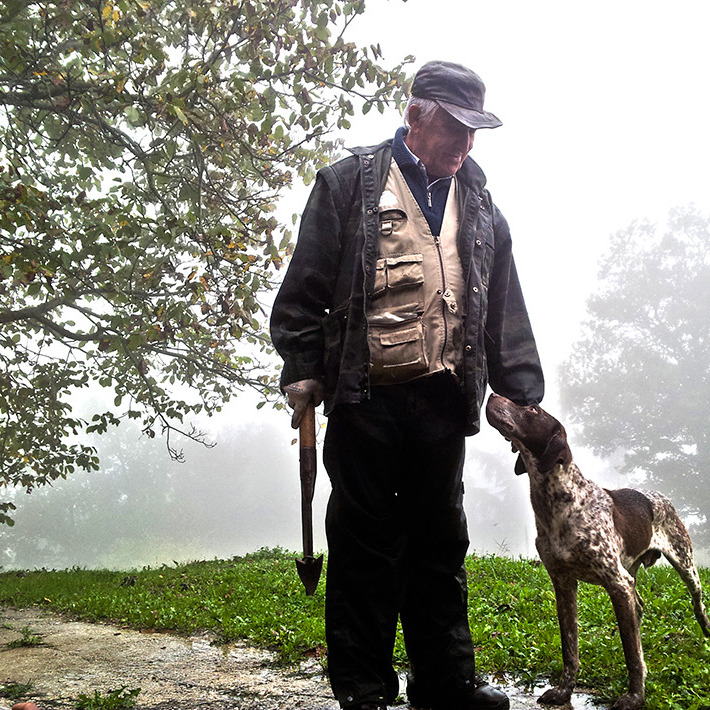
point(638, 380)
point(143, 146)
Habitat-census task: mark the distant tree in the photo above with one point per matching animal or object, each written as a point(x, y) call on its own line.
point(638, 380)
point(143, 146)
point(140, 507)
point(497, 503)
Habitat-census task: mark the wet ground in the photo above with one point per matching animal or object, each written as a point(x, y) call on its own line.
point(173, 673)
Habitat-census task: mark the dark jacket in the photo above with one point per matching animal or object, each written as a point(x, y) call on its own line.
point(318, 323)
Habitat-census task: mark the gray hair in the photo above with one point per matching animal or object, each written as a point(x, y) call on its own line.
point(427, 106)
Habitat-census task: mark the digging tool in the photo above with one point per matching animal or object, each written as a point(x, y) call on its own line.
point(309, 568)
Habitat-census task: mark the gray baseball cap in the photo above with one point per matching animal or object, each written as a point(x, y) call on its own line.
point(458, 90)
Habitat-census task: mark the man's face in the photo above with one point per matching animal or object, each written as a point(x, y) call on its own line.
point(439, 141)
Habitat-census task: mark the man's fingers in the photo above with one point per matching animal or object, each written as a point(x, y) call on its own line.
point(300, 394)
point(299, 408)
point(297, 400)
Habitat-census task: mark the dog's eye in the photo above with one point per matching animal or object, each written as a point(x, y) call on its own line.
point(533, 409)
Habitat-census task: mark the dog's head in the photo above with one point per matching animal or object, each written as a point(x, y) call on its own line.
point(537, 435)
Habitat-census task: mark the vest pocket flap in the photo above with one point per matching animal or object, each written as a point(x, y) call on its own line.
point(392, 214)
point(401, 335)
point(380, 277)
point(405, 270)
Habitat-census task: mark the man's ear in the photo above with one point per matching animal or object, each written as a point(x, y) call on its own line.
point(414, 115)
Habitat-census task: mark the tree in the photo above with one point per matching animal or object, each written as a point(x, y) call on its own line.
point(143, 146)
point(638, 380)
point(141, 508)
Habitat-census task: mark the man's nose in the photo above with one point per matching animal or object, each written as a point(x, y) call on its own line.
point(464, 138)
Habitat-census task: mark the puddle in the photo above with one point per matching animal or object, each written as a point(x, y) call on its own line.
point(174, 673)
point(524, 699)
point(520, 698)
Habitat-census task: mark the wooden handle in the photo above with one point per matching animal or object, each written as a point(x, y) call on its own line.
point(308, 475)
point(307, 428)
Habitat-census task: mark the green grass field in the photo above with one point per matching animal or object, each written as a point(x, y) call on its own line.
point(512, 611)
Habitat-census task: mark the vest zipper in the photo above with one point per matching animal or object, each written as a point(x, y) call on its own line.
point(444, 305)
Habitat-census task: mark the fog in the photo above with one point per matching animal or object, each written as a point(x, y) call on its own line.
point(605, 120)
point(238, 496)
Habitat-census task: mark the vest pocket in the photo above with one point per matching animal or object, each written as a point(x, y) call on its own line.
point(396, 272)
point(391, 221)
point(396, 347)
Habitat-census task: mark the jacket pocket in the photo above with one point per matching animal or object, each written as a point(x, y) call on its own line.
point(333, 335)
point(398, 272)
point(397, 351)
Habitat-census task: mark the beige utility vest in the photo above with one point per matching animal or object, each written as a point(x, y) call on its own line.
point(415, 318)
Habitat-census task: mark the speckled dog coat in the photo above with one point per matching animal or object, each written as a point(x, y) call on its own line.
point(590, 534)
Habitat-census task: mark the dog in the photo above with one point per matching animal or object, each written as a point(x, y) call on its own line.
point(590, 534)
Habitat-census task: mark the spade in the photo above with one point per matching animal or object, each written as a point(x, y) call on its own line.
point(309, 568)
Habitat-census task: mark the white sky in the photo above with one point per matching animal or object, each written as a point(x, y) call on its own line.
point(606, 119)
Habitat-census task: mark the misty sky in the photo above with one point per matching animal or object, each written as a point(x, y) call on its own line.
point(605, 114)
point(605, 120)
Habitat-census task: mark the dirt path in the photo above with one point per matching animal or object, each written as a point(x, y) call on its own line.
point(174, 673)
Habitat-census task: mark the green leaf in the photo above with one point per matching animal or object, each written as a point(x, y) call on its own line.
point(179, 114)
point(133, 115)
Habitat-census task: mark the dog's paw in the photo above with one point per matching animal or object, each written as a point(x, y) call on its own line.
point(629, 701)
point(555, 696)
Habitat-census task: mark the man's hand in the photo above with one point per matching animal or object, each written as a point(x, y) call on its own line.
point(300, 394)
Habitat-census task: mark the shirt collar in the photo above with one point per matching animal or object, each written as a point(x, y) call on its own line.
point(403, 155)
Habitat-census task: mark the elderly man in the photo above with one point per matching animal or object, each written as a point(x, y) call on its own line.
point(400, 304)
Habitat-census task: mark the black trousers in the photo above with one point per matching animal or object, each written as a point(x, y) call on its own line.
point(397, 540)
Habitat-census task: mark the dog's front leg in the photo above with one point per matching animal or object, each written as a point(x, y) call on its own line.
point(623, 599)
point(566, 598)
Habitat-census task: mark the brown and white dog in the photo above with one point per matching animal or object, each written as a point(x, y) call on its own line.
point(590, 534)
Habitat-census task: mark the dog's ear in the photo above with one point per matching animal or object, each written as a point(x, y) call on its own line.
point(520, 466)
point(556, 451)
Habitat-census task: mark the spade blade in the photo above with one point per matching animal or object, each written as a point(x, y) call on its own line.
point(309, 569)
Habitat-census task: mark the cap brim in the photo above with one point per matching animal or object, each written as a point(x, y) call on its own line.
point(471, 118)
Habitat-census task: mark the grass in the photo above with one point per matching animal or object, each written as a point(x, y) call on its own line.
point(16, 691)
point(512, 611)
point(27, 639)
point(121, 699)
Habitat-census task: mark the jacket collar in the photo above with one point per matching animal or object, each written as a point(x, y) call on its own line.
point(469, 175)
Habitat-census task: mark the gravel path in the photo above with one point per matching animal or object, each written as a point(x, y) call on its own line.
point(174, 673)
